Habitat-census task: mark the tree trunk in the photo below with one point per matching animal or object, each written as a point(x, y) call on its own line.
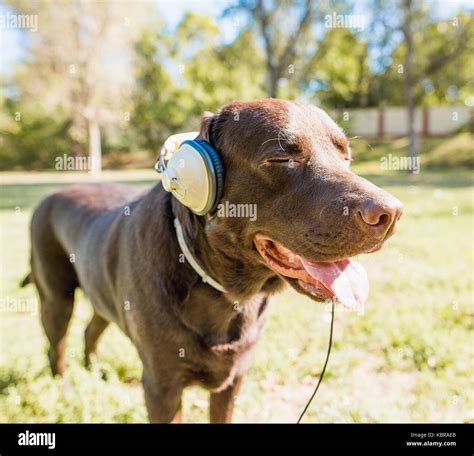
point(409, 84)
point(413, 137)
point(273, 77)
point(95, 152)
point(273, 90)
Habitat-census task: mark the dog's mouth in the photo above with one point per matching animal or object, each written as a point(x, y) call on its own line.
point(344, 280)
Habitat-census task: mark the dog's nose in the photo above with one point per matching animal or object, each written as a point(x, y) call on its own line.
point(381, 216)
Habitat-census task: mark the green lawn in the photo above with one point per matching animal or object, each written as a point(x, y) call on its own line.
point(408, 358)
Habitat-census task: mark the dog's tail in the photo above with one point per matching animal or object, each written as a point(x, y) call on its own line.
point(27, 280)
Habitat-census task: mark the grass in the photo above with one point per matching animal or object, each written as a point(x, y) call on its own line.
point(407, 358)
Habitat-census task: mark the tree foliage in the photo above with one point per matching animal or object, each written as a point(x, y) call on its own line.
point(175, 83)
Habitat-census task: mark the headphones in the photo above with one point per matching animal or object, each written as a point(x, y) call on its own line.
point(192, 171)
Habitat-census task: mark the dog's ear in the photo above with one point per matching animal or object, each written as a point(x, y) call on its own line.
point(205, 131)
point(212, 128)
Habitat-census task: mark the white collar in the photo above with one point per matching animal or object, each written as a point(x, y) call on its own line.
point(192, 261)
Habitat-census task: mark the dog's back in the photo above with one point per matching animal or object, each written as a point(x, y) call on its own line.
point(61, 221)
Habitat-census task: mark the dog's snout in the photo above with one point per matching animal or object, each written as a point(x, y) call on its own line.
point(381, 216)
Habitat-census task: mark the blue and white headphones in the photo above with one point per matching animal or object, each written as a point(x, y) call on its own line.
point(192, 172)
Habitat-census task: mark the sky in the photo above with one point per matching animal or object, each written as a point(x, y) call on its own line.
point(13, 41)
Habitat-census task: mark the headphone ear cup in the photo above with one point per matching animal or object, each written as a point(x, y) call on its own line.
point(218, 170)
point(195, 176)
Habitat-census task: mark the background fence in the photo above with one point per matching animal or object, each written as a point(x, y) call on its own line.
point(393, 121)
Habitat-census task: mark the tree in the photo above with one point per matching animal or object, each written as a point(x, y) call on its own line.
point(442, 68)
point(159, 105)
point(281, 38)
point(427, 52)
point(339, 72)
point(78, 62)
point(217, 74)
point(181, 74)
point(408, 25)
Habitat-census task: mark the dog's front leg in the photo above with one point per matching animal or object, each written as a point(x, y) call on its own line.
point(163, 400)
point(222, 403)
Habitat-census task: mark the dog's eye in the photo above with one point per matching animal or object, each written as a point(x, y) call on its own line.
point(278, 160)
point(282, 161)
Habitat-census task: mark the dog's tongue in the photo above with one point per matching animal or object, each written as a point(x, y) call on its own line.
point(346, 279)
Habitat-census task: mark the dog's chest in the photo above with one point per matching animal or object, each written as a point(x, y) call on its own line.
point(219, 365)
point(220, 358)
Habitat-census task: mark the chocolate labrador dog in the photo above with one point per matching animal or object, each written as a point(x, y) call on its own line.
point(288, 160)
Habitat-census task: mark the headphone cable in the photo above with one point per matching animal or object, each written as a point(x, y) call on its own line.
point(324, 368)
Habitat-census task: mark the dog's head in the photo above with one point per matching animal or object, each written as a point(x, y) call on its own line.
point(291, 203)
